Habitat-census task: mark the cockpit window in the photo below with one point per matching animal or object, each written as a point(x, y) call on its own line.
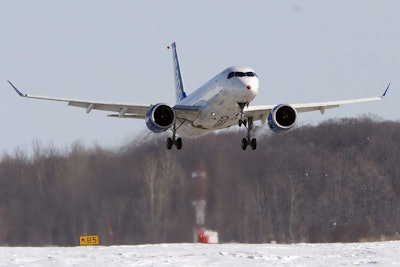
point(250, 74)
point(241, 74)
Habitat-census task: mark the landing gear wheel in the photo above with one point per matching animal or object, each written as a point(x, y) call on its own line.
point(253, 143)
point(178, 143)
point(170, 143)
point(244, 143)
point(243, 122)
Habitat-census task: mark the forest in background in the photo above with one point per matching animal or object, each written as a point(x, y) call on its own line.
point(338, 181)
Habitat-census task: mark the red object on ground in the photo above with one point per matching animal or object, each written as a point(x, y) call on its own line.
point(202, 238)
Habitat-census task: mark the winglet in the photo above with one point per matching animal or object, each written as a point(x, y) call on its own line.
point(16, 90)
point(384, 93)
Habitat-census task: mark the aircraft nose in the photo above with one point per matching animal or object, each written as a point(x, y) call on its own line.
point(251, 89)
point(252, 86)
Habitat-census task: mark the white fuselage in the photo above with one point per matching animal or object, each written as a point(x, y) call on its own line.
point(219, 99)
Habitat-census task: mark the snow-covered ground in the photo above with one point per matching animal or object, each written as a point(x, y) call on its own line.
point(353, 254)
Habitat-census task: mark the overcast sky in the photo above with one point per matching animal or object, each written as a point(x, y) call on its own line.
point(302, 51)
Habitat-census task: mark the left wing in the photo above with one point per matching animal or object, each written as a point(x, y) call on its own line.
point(121, 110)
point(262, 112)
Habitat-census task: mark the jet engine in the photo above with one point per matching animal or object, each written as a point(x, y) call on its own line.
point(160, 118)
point(282, 118)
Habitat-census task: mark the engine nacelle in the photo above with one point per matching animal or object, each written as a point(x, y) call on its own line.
point(282, 118)
point(160, 118)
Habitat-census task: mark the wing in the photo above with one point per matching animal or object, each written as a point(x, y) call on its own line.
point(262, 112)
point(121, 110)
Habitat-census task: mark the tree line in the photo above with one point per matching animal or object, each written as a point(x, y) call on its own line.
point(338, 181)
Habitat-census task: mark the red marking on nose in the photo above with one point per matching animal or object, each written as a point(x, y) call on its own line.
point(248, 87)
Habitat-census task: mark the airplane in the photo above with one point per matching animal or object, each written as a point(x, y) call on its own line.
point(222, 102)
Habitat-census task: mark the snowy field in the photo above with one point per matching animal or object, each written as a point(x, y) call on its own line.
point(353, 254)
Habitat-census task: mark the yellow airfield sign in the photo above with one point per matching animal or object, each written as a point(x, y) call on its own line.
point(88, 240)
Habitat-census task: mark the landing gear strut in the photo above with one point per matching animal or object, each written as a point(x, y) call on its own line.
point(248, 124)
point(174, 141)
point(242, 120)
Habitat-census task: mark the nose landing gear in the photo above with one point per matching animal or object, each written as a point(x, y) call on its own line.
point(248, 124)
point(242, 120)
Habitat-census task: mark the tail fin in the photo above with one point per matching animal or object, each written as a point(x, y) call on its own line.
point(180, 92)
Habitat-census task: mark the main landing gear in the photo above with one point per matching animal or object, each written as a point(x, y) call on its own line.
point(248, 124)
point(174, 141)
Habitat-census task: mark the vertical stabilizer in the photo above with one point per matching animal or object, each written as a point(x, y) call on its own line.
point(180, 92)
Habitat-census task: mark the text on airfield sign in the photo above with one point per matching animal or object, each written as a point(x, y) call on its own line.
point(88, 240)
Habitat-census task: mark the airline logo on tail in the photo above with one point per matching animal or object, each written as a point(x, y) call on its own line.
point(180, 92)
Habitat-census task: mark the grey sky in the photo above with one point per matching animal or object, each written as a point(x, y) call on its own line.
point(302, 51)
